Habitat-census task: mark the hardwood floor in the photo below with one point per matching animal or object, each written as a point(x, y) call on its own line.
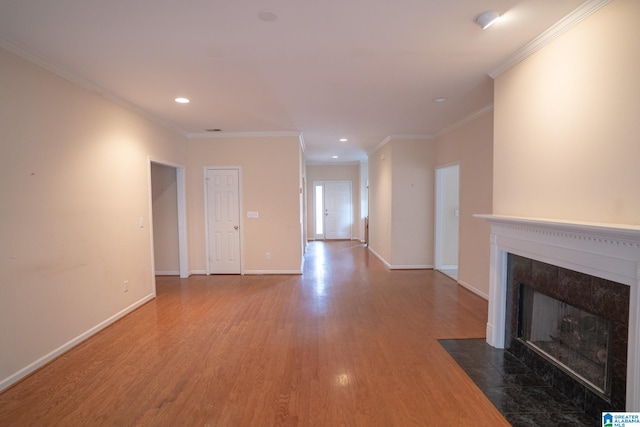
point(347, 343)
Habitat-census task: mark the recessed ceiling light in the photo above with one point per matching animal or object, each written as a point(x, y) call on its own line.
point(440, 99)
point(182, 100)
point(334, 157)
point(267, 15)
point(486, 19)
point(343, 140)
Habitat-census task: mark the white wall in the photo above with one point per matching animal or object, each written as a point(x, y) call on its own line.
point(75, 191)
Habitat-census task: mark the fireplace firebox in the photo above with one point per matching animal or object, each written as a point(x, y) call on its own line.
point(575, 340)
point(572, 329)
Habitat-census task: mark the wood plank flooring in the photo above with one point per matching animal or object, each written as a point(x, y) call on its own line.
point(348, 343)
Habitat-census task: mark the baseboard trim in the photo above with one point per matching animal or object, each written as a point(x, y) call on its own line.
point(259, 272)
point(197, 272)
point(24, 372)
point(399, 267)
point(473, 289)
point(380, 258)
point(411, 267)
point(167, 273)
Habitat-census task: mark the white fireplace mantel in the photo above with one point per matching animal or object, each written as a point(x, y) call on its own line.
point(609, 251)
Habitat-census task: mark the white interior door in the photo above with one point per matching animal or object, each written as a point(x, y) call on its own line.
point(337, 204)
point(447, 219)
point(223, 221)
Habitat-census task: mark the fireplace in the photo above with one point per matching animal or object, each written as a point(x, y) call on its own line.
point(579, 282)
point(572, 329)
point(577, 341)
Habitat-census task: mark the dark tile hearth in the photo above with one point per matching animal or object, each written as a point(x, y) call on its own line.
point(514, 389)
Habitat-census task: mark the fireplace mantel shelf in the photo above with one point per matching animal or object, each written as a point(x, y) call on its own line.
point(609, 251)
point(620, 231)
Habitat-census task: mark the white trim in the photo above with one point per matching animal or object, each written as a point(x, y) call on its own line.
point(257, 134)
point(585, 10)
point(240, 215)
point(183, 244)
point(411, 267)
point(36, 59)
point(400, 136)
point(473, 289)
point(272, 272)
point(439, 214)
point(471, 117)
point(380, 258)
point(167, 273)
point(608, 251)
point(181, 189)
point(197, 272)
point(12, 379)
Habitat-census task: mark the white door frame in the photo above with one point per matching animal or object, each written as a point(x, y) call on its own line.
point(324, 195)
point(439, 213)
point(206, 215)
point(181, 190)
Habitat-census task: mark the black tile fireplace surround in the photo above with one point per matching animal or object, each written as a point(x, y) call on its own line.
point(600, 297)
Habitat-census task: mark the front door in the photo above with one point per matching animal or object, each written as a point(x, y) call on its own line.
point(337, 204)
point(223, 221)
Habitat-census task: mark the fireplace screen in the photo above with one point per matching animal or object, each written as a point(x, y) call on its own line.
point(574, 339)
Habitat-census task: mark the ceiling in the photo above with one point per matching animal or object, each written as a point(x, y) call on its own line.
point(329, 69)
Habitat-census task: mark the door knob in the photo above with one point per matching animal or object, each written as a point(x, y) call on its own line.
point(235, 227)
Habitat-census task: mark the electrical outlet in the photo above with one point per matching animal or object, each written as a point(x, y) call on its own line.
point(125, 286)
point(267, 255)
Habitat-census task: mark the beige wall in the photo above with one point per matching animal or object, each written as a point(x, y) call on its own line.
point(164, 196)
point(471, 145)
point(567, 124)
point(335, 173)
point(401, 189)
point(270, 185)
point(412, 203)
point(380, 202)
point(75, 178)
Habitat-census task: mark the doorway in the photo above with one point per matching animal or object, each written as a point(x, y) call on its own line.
point(447, 219)
point(222, 186)
point(168, 219)
point(333, 218)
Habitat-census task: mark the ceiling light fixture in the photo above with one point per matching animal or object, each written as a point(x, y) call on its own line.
point(440, 99)
point(182, 100)
point(486, 19)
point(343, 139)
point(334, 157)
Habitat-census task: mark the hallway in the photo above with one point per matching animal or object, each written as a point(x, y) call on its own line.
point(347, 343)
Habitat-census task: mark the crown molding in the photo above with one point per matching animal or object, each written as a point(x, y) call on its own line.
point(399, 136)
point(258, 134)
point(36, 59)
point(471, 117)
point(350, 163)
point(586, 9)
